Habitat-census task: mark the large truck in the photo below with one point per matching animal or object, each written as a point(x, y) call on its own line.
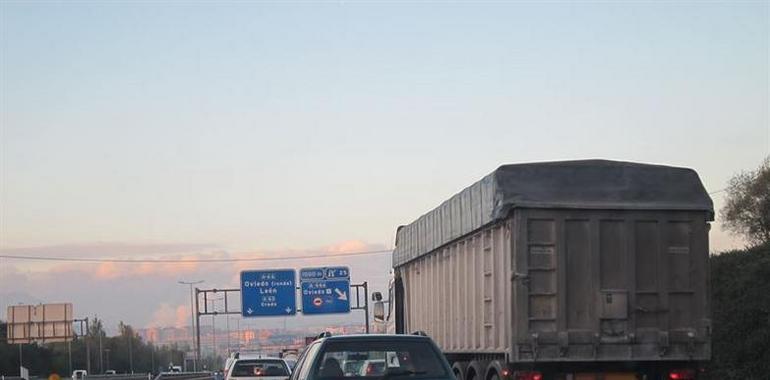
point(569, 270)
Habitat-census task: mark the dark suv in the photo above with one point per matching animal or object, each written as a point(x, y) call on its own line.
point(372, 357)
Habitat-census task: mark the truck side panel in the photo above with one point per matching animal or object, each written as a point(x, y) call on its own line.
point(460, 294)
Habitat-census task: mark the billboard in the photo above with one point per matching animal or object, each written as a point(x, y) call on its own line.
point(45, 323)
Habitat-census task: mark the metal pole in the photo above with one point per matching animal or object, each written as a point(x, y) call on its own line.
point(107, 351)
point(130, 354)
point(197, 326)
point(227, 322)
point(192, 328)
point(69, 354)
point(192, 317)
point(88, 346)
point(213, 327)
point(21, 362)
point(366, 305)
point(101, 354)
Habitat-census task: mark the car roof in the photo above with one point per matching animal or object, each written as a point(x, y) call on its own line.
point(256, 357)
point(370, 337)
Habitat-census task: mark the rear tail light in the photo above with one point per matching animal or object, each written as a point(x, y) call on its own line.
point(528, 375)
point(682, 374)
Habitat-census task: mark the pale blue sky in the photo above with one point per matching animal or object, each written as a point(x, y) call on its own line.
point(263, 126)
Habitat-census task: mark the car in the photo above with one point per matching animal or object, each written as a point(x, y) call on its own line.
point(79, 374)
point(110, 372)
point(372, 357)
point(244, 367)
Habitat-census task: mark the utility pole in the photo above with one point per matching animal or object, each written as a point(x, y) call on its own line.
point(107, 351)
point(197, 327)
point(130, 353)
point(101, 354)
point(192, 319)
point(88, 346)
point(69, 354)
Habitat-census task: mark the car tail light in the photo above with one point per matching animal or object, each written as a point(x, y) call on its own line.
point(528, 375)
point(369, 369)
point(682, 374)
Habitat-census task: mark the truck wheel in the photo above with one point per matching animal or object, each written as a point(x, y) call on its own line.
point(475, 370)
point(459, 370)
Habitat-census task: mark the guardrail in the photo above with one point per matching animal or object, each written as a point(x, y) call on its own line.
point(184, 376)
point(119, 376)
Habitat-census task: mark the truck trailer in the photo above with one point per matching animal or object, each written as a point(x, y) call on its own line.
point(570, 270)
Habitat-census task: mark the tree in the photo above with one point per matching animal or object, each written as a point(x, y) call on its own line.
point(741, 314)
point(747, 208)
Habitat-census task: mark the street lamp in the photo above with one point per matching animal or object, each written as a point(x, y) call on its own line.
point(192, 318)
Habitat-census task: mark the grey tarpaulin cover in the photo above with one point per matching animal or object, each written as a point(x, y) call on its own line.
point(586, 184)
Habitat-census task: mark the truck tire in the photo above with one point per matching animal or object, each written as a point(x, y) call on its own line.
point(475, 371)
point(459, 369)
point(493, 370)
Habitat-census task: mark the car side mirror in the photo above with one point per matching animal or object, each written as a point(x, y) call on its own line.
point(379, 311)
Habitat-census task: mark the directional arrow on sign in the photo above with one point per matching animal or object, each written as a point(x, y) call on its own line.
point(342, 296)
point(249, 311)
point(288, 310)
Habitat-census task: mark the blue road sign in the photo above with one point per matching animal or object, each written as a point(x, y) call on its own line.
point(325, 290)
point(268, 293)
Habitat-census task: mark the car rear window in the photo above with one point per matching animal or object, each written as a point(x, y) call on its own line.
point(379, 359)
point(259, 368)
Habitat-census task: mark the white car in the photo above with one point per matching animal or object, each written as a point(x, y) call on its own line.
point(79, 374)
point(258, 369)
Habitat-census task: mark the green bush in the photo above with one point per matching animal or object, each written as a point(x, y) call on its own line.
point(740, 285)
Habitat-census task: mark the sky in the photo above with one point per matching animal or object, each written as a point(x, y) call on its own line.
point(174, 129)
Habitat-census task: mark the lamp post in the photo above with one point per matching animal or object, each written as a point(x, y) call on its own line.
point(192, 318)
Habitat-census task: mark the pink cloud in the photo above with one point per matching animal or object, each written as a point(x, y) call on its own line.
point(166, 315)
point(350, 246)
